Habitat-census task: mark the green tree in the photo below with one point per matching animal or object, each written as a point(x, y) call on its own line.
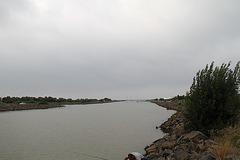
point(7, 99)
point(107, 100)
point(213, 100)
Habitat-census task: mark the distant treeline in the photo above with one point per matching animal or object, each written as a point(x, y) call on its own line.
point(178, 97)
point(45, 100)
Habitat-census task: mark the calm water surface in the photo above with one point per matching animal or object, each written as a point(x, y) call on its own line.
point(80, 132)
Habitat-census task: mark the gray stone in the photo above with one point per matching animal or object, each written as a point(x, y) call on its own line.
point(159, 142)
point(151, 149)
point(194, 156)
point(160, 139)
point(233, 156)
point(195, 136)
point(174, 137)
point(207, 156)
point(168, 145)
point(167, 137)
point(153, 156)
point(146, 147)
point(181, 155)
point(167, 152)
point(180, 139)
point(193, 147)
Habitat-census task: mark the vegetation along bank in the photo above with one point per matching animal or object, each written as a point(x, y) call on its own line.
point(26, 103)
point(206, 125)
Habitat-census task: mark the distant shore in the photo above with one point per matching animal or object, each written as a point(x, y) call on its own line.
point(19, 107)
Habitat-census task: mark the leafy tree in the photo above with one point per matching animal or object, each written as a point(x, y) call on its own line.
point(213, 100)
point(7, 99)
point(61, 100)
point(107, 100)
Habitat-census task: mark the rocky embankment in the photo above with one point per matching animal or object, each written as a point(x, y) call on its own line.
point(178, 144)
point(169, 105)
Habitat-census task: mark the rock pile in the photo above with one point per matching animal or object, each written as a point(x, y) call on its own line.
point(193, 145)
point(169, 105)
point(175, 122)
point(180, 145)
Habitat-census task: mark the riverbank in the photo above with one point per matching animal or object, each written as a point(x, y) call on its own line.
point(178, 144)
point(19, 107)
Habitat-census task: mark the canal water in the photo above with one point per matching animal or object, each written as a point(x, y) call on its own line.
point(80, 132)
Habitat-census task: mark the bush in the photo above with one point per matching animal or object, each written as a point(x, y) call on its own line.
point(213, 100)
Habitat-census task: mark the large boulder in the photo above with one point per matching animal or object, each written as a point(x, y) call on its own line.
point(153, 156)
point(151, 149)
point(194, 136)
point(181, 155)
point(159, 142)
point(167, 153)
point(207, 156)
point(168, 145)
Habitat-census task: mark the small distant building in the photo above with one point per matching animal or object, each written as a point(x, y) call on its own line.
point(22, 103)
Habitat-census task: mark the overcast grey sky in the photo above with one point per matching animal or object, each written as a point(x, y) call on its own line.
point(113, 48)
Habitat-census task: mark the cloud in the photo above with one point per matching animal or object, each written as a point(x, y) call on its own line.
point(105, 48)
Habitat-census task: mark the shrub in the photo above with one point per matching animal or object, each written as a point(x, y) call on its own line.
point(213, 100)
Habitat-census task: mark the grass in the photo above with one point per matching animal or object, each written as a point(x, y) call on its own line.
point(222, 150)
point(228, 141)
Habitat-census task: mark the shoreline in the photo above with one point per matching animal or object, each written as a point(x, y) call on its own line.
point(19, 107)
point(178, 144)
point(175, 122)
